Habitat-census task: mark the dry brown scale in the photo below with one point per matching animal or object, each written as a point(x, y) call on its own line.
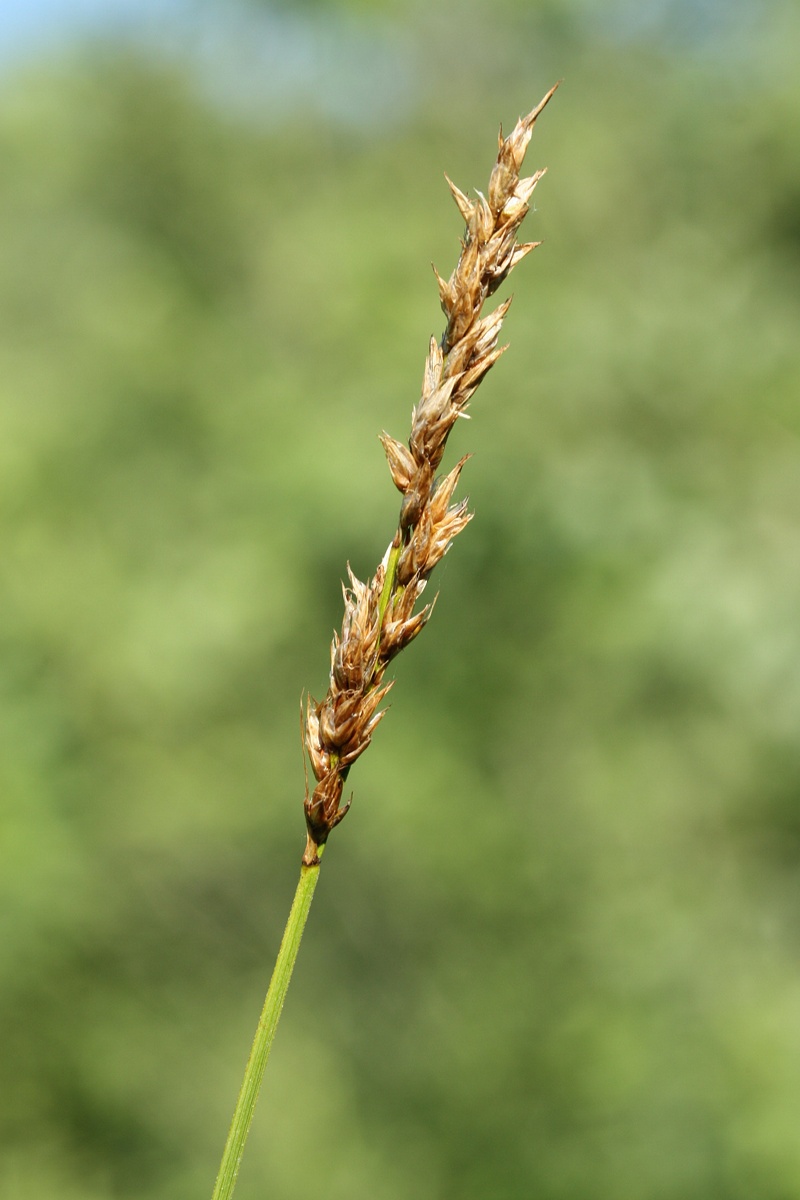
point(379, 616)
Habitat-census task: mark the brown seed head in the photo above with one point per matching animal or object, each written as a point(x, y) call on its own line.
point(379, 616)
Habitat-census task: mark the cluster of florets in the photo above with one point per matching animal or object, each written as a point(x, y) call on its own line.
point(380, 617)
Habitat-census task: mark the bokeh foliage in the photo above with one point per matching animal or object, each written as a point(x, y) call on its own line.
point(554, 948)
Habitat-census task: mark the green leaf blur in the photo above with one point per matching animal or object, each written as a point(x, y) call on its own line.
point(554, 949)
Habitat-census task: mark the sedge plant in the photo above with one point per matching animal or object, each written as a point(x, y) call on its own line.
point(382, 616)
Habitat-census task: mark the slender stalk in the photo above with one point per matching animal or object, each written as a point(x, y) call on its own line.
point(262, 1042)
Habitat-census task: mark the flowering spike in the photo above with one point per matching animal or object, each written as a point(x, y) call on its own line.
point(380, 616)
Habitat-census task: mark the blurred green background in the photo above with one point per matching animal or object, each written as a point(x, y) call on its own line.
point(554, 949)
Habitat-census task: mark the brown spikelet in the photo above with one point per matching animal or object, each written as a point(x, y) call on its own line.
point(380, 617)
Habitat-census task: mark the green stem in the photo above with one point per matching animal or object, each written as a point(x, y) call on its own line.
point(262, 1042)
point(388, 582)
